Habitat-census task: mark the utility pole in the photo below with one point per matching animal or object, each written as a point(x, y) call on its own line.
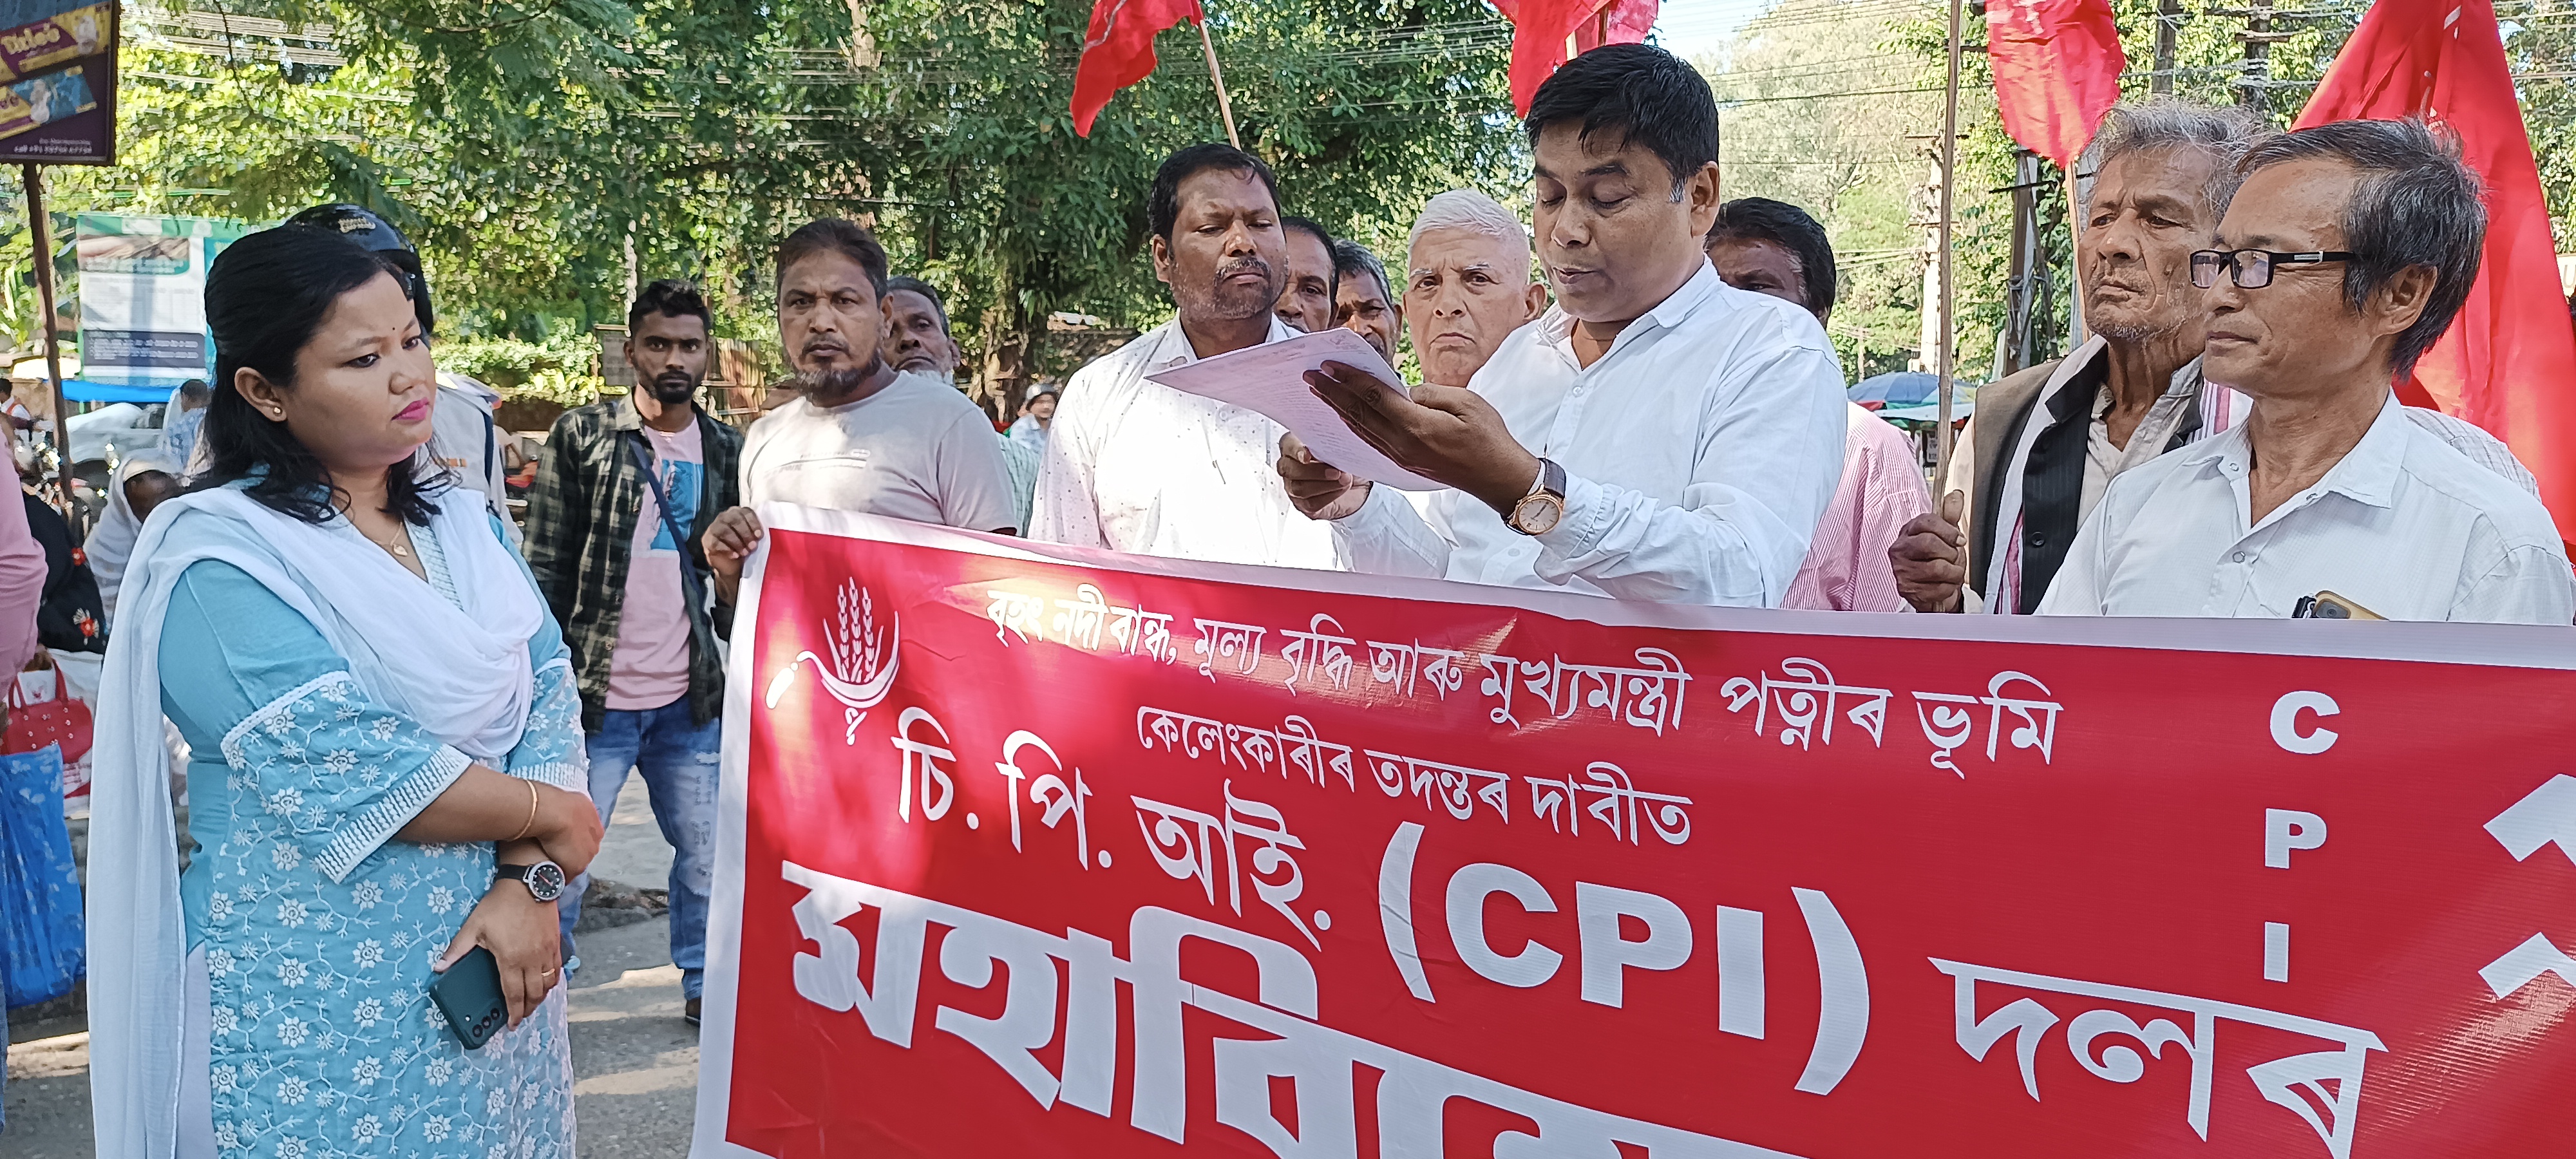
point(2253, 86)
point(2029, 268)
point(2168, 14)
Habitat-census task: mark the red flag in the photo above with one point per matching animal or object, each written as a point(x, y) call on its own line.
point(1119, 50)
point(2508, 362)
point(1620, 22)
point(1540, 29)
point(2057, 71)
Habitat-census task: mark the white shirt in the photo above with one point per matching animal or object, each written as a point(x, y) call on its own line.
point(2405, 526)
point(1137, 466)
point(1699, 453)
point(914, 450)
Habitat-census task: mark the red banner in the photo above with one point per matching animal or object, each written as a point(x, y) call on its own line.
point(1037, 851)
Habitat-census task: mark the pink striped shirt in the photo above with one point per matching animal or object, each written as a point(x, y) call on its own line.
point(1882, 488)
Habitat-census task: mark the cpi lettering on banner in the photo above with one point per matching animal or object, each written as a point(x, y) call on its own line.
point(1045, 852)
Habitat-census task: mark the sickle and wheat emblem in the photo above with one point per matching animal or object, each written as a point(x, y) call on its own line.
point(860, 671)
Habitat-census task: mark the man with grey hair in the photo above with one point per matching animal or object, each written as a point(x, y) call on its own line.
point(1467, 284)
point(2347, 250)
point(2045, 442)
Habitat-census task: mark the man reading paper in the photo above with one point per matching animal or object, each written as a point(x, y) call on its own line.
point(1658, 435)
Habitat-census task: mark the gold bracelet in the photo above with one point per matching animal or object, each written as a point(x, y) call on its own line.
point(532, 812)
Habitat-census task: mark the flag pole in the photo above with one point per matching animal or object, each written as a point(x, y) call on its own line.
point(2074, 268)
point(1224, 107)
point(1949, 181)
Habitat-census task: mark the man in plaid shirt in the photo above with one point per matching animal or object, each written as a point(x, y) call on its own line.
point(616, 551)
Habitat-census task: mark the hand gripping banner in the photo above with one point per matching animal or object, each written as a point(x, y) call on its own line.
point(1036, 851)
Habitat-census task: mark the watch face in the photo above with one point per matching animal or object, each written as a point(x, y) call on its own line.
point(545, 881)
point(1537, 515)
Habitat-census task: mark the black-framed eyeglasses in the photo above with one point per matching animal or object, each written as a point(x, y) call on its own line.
point(2252, 269)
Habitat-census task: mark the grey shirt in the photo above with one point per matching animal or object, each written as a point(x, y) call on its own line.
point(915, 450)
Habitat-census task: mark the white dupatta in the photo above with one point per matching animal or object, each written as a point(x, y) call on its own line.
point(463, 674)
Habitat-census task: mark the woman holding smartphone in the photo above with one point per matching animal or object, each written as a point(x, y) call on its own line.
point(399, 770)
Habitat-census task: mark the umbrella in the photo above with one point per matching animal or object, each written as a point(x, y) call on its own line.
point(1898, 388)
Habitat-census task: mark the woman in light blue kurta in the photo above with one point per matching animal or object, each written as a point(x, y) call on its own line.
point(399, 775)
point(317, 1004)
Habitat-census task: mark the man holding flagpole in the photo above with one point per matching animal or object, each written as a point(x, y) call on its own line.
point(2346, 253)
point(2047, 440)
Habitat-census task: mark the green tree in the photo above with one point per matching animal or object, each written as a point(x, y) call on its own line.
point(1823, 108)
point(547, 156)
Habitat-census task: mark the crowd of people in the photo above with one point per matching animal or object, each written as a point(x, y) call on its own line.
point(422, 729)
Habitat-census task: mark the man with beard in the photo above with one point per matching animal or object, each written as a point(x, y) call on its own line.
point(2047, 441)
point(1313, 283)
point(1658, 436)
point(916, 337)
point(1362, 301)
point(863, 436)
point(2345, 254)
point(1136, 466)
point(624, 489)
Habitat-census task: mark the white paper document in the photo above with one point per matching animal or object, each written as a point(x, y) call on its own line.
point(1271, 379)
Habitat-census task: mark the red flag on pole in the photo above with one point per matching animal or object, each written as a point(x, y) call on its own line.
point(2057, 71)
point(1119, 50)
point(1618, 22)
point(1540, 29)
point(2508, 362)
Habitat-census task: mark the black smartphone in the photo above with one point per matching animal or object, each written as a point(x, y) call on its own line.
point(469, 994)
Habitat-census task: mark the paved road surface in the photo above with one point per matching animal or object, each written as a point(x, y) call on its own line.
point(635, 1064)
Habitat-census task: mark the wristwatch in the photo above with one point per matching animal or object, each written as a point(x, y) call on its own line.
point(1538, 512)
point(545, 879)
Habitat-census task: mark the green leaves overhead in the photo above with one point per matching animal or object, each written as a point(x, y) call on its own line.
point(524, 143)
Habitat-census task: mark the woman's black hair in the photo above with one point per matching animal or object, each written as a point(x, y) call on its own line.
point(265, 296)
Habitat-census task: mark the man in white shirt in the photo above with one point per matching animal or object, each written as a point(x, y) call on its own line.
point(1136, 466)
point(1659, 435)
point(1467, 284)
point(2345, 254)
point(862, 436)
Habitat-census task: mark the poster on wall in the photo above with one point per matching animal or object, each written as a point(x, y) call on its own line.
point(58, 82)
point(143, 295)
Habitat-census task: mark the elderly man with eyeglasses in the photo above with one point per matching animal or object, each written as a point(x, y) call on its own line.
point(2347, 250)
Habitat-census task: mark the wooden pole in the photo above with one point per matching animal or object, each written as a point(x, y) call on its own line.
point(2077, 330)
point(1949, 183)
point(1224, 107)
point(41, 230)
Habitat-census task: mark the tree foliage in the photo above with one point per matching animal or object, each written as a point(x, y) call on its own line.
point(546, 153)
